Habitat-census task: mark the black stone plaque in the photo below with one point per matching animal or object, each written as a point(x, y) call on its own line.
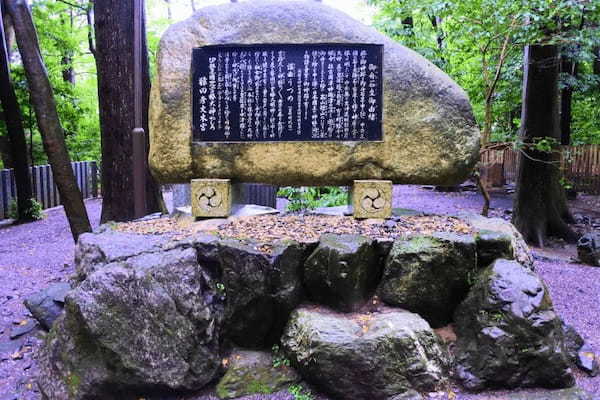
point(287, 92)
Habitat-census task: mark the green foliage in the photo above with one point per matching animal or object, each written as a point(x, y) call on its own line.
point(34, 211)
point(300, 392)
point(62, 33)
point(308, 198)
point(469, 38)
point(259, 388)
point(279, 359)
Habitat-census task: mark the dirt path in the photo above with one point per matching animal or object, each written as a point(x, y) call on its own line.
point(36, 254)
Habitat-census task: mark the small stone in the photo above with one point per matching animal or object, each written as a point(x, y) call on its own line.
point(46, 305)
point(587, 361)
point(22, 329)
point(588, 249)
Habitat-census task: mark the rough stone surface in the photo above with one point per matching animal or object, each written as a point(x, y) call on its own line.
point(105, 246)
point(588, 249)
point(249, 310)
point(429, 275)
point(254, 372)
point(521, 251)
point(342, 272)
point(508, 333)
point(493, 245)
point(430, 134)
point(573, 342)
point(369, 356)
point(150, 321)
point(46, 305)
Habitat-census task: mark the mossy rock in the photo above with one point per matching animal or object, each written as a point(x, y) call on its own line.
point(429, 275)
point(254, 372)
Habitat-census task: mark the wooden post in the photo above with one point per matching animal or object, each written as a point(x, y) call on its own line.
point(138, 134)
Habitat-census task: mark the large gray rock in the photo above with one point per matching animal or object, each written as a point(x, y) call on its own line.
point(342, 272)
point(429, 275)
point(149, 322)
point(392, 354)
point(260, 289)
point(249, 311)
point(588, 249)
point(47, 305)
point(105, 246)
point(508, 333)
point(254, 372)
point(430, 133)
point(489, 228)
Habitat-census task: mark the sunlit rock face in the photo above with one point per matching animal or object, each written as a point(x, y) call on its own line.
point(429, 132)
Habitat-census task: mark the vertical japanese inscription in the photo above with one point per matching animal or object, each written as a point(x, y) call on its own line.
point(287, 92)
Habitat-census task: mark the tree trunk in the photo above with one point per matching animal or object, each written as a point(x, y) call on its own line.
point(47, 117)
point(5, 153)
point(193, 4)
point(66, 61)
point(487, 124)
point(9, 33)
point(566, 101)
point(540, 205)
point(16, 133)
point(114, 60)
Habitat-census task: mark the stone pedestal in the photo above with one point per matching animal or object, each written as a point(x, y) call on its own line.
point(211, 197)
point(372, 199)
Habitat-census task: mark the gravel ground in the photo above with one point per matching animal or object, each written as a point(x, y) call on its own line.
point(36, 254)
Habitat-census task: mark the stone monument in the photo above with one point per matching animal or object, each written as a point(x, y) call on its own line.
point(310, 98)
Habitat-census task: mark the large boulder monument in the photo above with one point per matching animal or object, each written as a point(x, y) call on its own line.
point(338, 103)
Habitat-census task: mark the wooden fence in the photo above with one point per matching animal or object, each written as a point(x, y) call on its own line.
point(44, 189)
point(580, 164)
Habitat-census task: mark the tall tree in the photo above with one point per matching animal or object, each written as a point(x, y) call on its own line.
point(47, 117)
point(16, 133)
point(114, 60)
point(569, 70)
point(540, 205)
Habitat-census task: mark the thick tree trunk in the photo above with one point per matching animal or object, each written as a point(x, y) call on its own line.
point(566, 101)
point(9, 32)
point(47, 117)
point(16, 133)
point(540, 205)
point(114, 60)
point(5, 153)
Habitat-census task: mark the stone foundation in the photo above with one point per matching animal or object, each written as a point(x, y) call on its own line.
point(351, 315)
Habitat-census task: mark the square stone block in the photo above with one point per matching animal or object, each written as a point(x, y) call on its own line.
point(211, 197)
point(372, 199)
